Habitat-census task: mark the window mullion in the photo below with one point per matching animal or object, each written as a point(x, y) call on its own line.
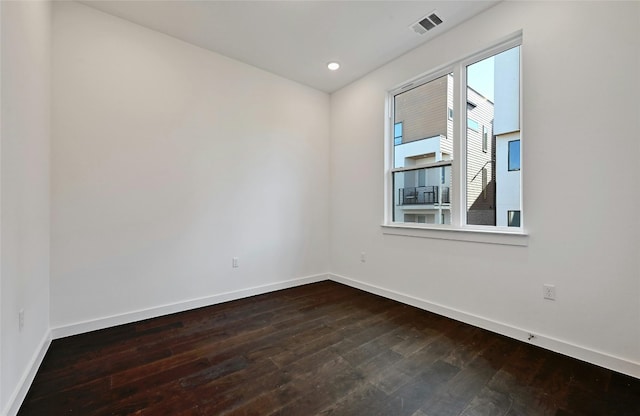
point(389, 151)
point(459, 148)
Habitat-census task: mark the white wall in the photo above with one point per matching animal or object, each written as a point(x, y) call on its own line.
point(24, 190)
point(580, 86)
point(167, 161)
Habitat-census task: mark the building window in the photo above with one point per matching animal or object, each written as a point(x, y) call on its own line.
point(513, 218)
point(397, 133)
point(422, 177)
point(485, 139)
point(481, 95)
point(514, 155)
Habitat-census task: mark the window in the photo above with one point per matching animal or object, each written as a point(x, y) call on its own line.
point(470, 109)
point(397, 133)
point(485, 139)
point(422, 177)
point(473, 125)
point(513, 218)
point(514, 155)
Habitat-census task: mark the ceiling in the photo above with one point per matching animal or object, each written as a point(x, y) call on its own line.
point(296, 39)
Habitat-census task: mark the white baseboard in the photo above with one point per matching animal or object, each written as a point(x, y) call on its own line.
point(563, 347)
point(557, 345)
point(139, 315)
point(16, 399)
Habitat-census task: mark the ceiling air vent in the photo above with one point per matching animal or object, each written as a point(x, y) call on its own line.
point(426, 23)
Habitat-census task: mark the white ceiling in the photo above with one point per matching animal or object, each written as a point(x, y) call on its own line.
point(296, 39)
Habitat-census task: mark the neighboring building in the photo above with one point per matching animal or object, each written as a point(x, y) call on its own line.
point(481, 180)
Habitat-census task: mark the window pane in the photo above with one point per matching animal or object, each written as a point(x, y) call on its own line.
point(513, 218)
point(426, 130)
point(514, 155)
point(493, 114)
point(423, 195)
point(485, 138)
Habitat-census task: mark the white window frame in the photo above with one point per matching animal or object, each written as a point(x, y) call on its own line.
point(458, 229)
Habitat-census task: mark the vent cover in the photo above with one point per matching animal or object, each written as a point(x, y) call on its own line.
point(426, 23)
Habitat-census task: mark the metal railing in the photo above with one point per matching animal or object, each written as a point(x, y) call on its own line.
point(423, 195)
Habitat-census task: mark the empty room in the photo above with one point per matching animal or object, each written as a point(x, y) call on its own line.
point(319, 208)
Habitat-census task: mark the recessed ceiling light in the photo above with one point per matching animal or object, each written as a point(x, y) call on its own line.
point(333, 66)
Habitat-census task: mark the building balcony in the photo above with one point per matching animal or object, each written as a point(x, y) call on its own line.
point(424, 195)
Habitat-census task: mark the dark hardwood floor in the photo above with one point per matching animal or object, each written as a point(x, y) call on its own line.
point(319, 349)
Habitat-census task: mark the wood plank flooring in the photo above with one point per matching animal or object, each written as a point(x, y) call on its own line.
point(319, 349)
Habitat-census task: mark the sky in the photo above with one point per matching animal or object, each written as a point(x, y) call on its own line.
point(480, 77)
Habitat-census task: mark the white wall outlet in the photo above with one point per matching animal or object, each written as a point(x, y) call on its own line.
point(363, 257)
point(235, 262)
point(549, 292)
point(20, 319)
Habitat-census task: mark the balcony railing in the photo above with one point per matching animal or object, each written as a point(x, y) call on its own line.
point(423, 195)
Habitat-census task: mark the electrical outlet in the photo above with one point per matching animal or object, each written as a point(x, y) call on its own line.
point(20, 319)
point(549, 292)
point(235, 262)
point(363, 257)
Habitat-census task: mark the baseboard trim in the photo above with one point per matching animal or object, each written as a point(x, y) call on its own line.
point(614, 363)
point(139, 315)
point(16, 399)
point(560, 346)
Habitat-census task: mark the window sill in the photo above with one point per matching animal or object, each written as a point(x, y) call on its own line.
point(487, 236)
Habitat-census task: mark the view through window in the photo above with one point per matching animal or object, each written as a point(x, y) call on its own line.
point(422, 159)
point(424, 117)
point(493, 97)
